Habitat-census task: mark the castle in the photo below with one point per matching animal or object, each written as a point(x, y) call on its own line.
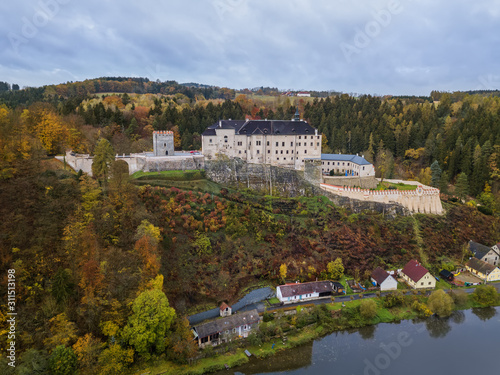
point(275, 142)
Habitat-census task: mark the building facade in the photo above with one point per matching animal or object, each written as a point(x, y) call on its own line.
point(274, 142)
point(417, 276)
point(487, 254)
point(346, 165)
point(297, 292)
point(226, 329)
point(483, 270)
point(383, 279)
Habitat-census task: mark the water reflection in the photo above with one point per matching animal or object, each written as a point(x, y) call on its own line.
point(368, 332)
point(484, 313)
point(458, 317)
point(437, 327)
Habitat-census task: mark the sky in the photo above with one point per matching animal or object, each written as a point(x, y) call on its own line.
point(378, 47)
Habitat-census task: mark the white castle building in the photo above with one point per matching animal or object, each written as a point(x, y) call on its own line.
point(346, 165)
point(276, 142)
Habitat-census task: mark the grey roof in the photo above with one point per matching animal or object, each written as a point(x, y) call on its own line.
point(249, 127)
point(478, 249)
point(480, 265)
point(290, 290)
point(230, 322)
point(345, 157)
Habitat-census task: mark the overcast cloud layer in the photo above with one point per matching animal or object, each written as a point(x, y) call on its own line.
point(364, 46)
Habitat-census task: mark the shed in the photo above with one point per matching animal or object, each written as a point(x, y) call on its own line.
point(447, 275)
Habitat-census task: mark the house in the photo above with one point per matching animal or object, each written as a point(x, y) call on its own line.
point(304, 94)
point(225, 309)
point(487, 254)
point(417, 276)
point(382, 279)
point(297, 292)
point(483, 270)
point(275, 142)
point(447, 275)
point(346, 165)
point(226, 329)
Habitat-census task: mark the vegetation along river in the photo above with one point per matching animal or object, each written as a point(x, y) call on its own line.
point(465, 343)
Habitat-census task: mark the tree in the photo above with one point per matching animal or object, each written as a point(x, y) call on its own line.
point(368, 309)
point(148, 325)
point(62, 286)
point(441, 303)
point(335, 269)
point(62, 331)
point(87, 349)
point(104, 155)
point(462, 186)
point(33, 362)
point(131, 129)
point(63, 361)
point(486, 295)
point(436, 174)
point(283, 271)
point(114, 360)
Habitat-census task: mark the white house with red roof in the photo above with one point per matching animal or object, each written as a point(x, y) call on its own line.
point(297, 292)
point(417, 276)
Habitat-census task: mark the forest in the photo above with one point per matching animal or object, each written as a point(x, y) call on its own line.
point(93, 256)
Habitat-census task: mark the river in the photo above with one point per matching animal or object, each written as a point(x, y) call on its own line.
point(465, 343)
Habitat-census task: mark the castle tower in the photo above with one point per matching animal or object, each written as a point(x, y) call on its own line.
point(163, 143)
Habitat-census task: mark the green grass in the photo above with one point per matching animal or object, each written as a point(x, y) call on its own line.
point(273, 300)
point(187, 175)
point(385, 185)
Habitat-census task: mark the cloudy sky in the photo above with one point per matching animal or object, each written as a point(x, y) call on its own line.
point(353, 46)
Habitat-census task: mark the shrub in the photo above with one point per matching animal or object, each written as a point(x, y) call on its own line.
point(486, 295)
point(393, 299)
point(441, 303)
point(368, 309)
point(421, 309)
point(460, 297)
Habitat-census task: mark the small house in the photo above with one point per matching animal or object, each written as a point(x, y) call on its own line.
point(226, 329)
point(483, 270)
point(225, 309)
point(296, 292)
point(383, 279)
point(487, 254)
point(417, 276)
point(446, 275)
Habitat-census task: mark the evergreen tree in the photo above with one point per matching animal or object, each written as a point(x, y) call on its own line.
point(436, 174)
point(462, 186)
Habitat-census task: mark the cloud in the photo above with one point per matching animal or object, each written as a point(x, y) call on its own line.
point(409, 47)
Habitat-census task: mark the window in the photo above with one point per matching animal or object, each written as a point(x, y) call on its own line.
point(249, 143)
point(287, 151)
point(283, 144)
point(292, 151)
point(204, 340)
point(258, 151)
point(240, 143)
point(276, 144)
point(305, 151)
point(239, 152)
point(317, 143)
point(276, 151)
point(299, 143)
point(257, 143)
point(225, 138)
point(268, 143)
point(268, 151)
point(281, 151)
point(291, 144)
point(328, 163)
point(311, 144)
point(317, 137)
point(284, 158)
point(429, 283)
point(299, 138)
point(277, 158)
point(210, 140)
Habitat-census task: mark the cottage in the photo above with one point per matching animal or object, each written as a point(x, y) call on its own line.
point(486, 254)
point(338, 287)
point(417, 276)
point(382, 279)
point(226, 329)
point(297, 292)
point(483, 270)
point(225, 309)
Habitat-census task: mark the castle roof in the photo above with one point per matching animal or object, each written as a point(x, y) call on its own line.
point(345, 157)
point(265, 127)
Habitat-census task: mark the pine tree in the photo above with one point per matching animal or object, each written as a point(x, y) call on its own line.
point(436, 173)
point(462, 186)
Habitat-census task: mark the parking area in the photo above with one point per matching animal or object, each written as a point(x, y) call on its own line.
point(467, 277)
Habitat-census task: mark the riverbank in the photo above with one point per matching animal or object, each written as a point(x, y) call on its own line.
point(281, 330)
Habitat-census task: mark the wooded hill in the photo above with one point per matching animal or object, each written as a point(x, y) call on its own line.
point(91, 256)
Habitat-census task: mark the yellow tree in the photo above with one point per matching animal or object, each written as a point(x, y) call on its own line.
point(283, 271)
point(51, 131)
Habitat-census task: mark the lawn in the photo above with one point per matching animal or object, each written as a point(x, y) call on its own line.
point(400, 186)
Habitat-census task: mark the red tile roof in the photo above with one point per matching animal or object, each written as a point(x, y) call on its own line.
point(379, 275)
point(224, 306)
point(414, 270)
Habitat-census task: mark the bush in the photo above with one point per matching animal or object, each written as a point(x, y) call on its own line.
point(460, 297)
point(368, 309)
point(394, 299)
point(421, 309)
point(485, 295)
point(267, 317)
point(485, 210)
point(441, 303)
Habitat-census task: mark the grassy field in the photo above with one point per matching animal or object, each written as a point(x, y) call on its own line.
point(389, 185)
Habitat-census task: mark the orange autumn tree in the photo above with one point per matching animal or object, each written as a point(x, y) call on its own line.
point(147, 238)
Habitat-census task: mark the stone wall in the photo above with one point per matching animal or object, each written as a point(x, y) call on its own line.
point(368, 182)
point(424, 199)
